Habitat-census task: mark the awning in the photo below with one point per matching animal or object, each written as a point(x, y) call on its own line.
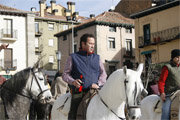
point(147, 52)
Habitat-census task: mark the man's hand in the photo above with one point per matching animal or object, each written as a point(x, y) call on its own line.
point(95, 86)
point(76, 83)
point(163, 96)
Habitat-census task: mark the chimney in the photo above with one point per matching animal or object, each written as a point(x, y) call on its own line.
point(53, 4)
point(67, 12)
point(55, 11)
point(42, 7)
point(33, 9)
point(76, 15)
point(92, 16)
point(71, 6)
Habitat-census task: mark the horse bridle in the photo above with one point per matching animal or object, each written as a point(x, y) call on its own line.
point(127, 105)
point(42, 91)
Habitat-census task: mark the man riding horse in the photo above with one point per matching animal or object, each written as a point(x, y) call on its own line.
point(169, 82)
point(83, 70)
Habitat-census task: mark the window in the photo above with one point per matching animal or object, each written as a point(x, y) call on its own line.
point(65, 27)
point(112, 29)
point(36, 42)
point(128, 30)
point(146, 29)
point(8, 31)
point(51, 42)
point(51, 26)
point(111, 42)
point(128, 45)
point(36, 27)
point(8, 59)
point(51, 59)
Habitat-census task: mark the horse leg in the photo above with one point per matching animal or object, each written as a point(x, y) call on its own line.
point(32, 111)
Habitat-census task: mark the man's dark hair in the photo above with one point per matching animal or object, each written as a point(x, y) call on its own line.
point(84, 38)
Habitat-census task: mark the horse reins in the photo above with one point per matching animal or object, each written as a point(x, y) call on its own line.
point(109, 107)
point(42, 91)
point(127, 105)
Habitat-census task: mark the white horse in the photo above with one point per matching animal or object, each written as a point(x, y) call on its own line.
point(18, 92)
point(147, 108)
point(122, 88)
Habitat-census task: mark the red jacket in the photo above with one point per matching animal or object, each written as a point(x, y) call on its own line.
point(2, 79)
point(162, 79)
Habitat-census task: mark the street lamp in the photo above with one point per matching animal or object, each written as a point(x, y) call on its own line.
point(72, 20)
point(58, 55)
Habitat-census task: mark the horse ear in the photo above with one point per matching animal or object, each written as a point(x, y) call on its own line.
point(125, 70)
point(37, 64)
point(140, 68)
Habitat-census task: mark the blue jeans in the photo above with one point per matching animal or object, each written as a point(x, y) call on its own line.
point(166, 109)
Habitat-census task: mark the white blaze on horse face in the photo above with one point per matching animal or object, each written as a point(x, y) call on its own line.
point(134, 89)
point(38, 86)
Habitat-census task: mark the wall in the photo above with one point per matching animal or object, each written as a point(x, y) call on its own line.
point(158, 21)
point(19, 46)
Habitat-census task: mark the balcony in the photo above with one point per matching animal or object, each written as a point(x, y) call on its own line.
point(38, 33)
point(8, 35)
point(38, 50)
point(128, 54)
point(8, 64)
point(160, 37)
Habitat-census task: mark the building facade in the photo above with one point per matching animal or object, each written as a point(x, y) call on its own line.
point(157, 32)
point(114, 40)
point(17, 30)
point(49, 21)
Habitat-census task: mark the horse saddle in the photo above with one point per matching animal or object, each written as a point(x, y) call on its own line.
point(81, 111)
point(158, 107)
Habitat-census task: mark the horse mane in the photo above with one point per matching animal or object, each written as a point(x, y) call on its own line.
point(14, 85)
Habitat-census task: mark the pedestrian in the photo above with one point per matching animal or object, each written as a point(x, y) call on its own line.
point(169, 82)
point(58, 86)
point(83, 70)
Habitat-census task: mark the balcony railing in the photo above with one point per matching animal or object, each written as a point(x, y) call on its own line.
point(8, 34)
point(160, 36)
point(8, 64)
point(128, 54)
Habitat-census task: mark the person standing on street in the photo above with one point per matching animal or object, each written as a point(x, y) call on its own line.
point(169, 82)
point(83, 70)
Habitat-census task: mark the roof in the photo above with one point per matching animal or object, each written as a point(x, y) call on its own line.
point(5, 9)
point(106, 18)
point(155, 9)
point(53, 17)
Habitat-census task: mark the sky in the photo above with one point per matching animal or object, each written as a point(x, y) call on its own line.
point(84, 7)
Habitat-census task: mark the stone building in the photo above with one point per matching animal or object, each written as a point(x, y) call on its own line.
point(17, 30)
point(114, 39)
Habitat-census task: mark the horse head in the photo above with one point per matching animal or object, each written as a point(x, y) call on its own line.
point(38, 85)
point(133, 89)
